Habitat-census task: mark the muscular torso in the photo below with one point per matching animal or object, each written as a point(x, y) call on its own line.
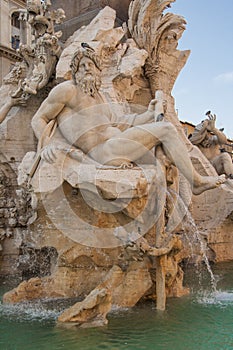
point(85, 121)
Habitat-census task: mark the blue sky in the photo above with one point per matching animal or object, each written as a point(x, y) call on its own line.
point(206, 81)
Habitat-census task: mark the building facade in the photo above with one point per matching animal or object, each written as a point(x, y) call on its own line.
point(13, 31)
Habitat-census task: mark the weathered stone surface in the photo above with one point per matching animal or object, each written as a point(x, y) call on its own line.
point(17, 211)
point(100, 34)
point(136, 283)
point(110, 182)
point(215, 221)
point(27, 290)
point(119, 289)
point(91, 312)
point(133, 61)
point(65, 283)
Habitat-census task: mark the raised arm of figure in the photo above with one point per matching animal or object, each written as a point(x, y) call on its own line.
point(49, 109)
point(219, 136)
point(154, 112)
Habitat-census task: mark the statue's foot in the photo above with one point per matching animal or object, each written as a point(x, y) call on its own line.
point(208, 183)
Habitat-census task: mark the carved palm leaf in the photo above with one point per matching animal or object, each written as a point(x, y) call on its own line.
point(149, 26)
point(146, 22)
point(144, 18)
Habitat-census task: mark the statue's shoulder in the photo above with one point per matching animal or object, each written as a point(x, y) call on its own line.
point(63, 90)
point(65, 85)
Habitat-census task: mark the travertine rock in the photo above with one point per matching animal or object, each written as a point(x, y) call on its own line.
point(136, 282)
point(65, 283)
point(27, 290)
point(91, 312)
point(215, 221)
point(99, 34)
point(133, 60)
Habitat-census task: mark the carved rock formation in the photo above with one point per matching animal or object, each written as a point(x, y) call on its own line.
point(91, 312)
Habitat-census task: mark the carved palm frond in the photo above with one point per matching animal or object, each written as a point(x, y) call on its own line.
point(145, 17)
point(156, 33)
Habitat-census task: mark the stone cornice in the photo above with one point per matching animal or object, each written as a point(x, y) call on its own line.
point(9, 53)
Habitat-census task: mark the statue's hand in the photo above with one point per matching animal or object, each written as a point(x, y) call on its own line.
point(211, 122)
point(18, 101)
point(15, 101)
point(151, 107)
point(48, 153)
point(158, 105)
point(152, 104)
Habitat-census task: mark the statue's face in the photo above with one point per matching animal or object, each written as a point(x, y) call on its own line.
point(87, 67)
point(88, 76)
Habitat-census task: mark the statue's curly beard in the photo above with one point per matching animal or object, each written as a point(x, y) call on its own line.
point(89, 83)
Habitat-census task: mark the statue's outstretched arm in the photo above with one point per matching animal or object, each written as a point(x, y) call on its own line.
point(4, 111)
point(10, 102)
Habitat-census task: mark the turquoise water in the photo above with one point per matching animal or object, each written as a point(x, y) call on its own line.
point(203, 320)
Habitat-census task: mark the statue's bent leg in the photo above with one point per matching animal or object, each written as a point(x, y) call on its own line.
point(133, 143)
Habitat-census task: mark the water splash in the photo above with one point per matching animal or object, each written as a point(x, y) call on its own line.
point(28, 312)
point(203, 249)
point(184, 217)
point(218, 298)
